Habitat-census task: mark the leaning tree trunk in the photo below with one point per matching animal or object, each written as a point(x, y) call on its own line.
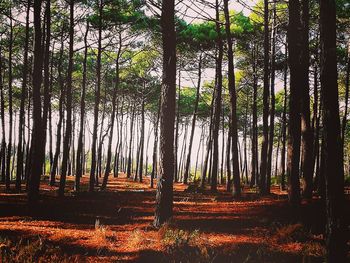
point(195, 112)
point(37, 142)
point(333, 153)
point(68, 134)
point(236, 189)
point(164, 198)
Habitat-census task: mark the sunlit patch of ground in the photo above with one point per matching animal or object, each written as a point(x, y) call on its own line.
point(116, 225)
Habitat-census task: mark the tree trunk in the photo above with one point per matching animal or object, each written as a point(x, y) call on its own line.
point(176, 144)
point(188, 159)
point(164, 197)
point(97, 101)
point(272, 108)
point(46, 102)
point(155, 145)
point(19, 171)
point(217, 103)
point(9, 144)
point(254, 171)
point(294, 41)
point(236, 189)
point(284, 122)
point(61, 116)
point(333, 165)
point(347, 87)
point(306, 128)
point(68, 134)
point(79, 156)
point(265, 139)
point(2, 111)
point(128, 173)
point(37, 142)
point(142, 138)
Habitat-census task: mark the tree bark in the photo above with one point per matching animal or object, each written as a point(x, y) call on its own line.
point(61, 116)
point(68, 134)
point(19, 171)
point(37, 142)
point(333, 165)
point(284, 122)
point(265, 139)
point(79, 156)
point(294, 42)
point(164, 197)
point(306, 128)
point(10, 77)
point(97, 101)
point(236, 189)
point(272, 101)
point(254, 165)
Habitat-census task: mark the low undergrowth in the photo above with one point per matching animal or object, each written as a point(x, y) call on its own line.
point(32, 250)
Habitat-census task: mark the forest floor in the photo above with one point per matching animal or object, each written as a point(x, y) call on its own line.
point(116, 226)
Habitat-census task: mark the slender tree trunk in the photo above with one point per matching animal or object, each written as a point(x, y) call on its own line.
point(265, 139)
point(128, 173)
point(188, 159)
point(2, 110)
point(347, 87)
point(272, 108)
point(46, 102)
point(306, 128)
point(9, 144)
point(228, 157)
point(236, 189)
point(37, 142)
point(114, 98)
point(333, 165)
point(254, 171)
point(164, 198)
point(19, 171)
point(79, 156)
point(61, 116)
point(142, 138)
point(208, 149)
point(97, 101)
point(217, 104)
point(68, 134)
point(155, 145)
point(284, 123)
point(176, 144)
